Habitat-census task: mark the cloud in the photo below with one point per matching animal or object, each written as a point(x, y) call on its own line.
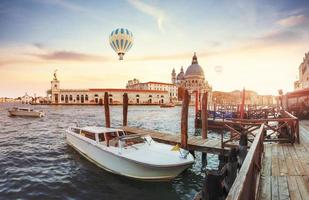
point(64, 4)
point(70, 56)
point(279, 36)
point(150, 10)
point(293, 20)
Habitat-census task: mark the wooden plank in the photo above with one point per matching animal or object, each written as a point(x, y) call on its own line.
point(282, 164)
point(283, 188)
point(303, 157)
point(302, 187)
point(289, 160)
point(274, 188)
point(275, 162)
point(297, 163)
point(293, 188)
point(265, 188)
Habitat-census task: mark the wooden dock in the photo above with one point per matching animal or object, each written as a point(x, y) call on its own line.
point(195, 143)
point(285, 169)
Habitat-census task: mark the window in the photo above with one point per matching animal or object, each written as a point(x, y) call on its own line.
point(86, 97)
point(77, 97)
point(71, 98)
point(137, 95)
point(62, 98)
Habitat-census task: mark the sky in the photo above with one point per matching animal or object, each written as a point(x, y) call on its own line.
point(256, 44)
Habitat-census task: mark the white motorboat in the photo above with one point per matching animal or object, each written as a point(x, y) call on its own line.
point(25, 112)
point(135, 156)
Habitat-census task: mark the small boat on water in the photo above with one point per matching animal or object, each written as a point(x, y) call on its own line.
point(136, 156)
point(167, 105)
point(25, 112)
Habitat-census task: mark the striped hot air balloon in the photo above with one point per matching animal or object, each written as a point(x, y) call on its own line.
point(121, 40)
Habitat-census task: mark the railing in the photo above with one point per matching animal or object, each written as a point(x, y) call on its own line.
point(246, 184)
point(286, 126)
point(236, 130)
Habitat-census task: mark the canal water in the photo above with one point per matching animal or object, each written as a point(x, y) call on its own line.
point(36, 162)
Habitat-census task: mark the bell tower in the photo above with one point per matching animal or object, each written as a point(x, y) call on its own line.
point(173, 76)
point(55, 89)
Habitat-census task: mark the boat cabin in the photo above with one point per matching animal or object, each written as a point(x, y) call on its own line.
point(108, 136)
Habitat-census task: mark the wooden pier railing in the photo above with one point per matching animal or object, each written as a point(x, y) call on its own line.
point(246, 184)
point(285, 127)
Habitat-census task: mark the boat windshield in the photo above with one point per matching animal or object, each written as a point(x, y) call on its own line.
point(129, 140)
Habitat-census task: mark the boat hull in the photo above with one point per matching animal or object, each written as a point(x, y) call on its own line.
point(25, 113)
point(120, 165)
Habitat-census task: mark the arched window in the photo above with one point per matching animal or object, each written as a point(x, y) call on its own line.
point(77, 97)
point(110, 95)
point(56, 86)
point(71, 98)
point(137, 95)
point(62, 98)
point(150, 96)
point(86, 97)
point(66, 98)
point(162, 96)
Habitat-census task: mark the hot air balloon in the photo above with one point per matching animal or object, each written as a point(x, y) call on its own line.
point(121, 40)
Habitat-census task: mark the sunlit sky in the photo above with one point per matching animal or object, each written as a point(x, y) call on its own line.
point(257, 44)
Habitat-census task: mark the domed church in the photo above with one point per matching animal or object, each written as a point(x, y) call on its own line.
point(193, 80)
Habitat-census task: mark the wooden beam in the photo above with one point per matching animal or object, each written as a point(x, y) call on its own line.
point(184, 119)
point(204, 116)
point(106, 108)
point(125, 109)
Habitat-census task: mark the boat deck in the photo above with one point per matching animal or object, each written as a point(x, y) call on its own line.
point(195, 143)
point(285, 169)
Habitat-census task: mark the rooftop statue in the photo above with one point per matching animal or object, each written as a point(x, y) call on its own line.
point(55, 74)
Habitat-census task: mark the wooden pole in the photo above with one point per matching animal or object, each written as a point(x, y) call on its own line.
point(106, 108)
point(242, 108)
point(204, 116)
point(196, 121)
point(125, 109)
point(184, 119)
point(196, 102)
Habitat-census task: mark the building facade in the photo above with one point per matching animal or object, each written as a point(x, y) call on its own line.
point(251, 98)
point(158, 86)
point(96, 95)
point(303, 71)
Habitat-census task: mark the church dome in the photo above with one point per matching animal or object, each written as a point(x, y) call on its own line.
point(194, 70)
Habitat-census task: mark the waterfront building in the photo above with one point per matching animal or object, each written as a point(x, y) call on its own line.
point(192, 80)
point(251, 98)
point(158, 86)
point(26, 99)
point(93, 96)
point(303, 71)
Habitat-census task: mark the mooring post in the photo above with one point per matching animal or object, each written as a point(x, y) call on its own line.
point(184, 119)
point(214, 111)
point(125, 109)
point(106, 108)
point(196, 121)
point(243, 148)
point(212, 187)
point(230, 170)
point(204, 116)
point(242, 108)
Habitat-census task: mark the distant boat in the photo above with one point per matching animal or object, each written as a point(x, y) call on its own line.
point(135, 156)
point(167, 105)
point(25, 112)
